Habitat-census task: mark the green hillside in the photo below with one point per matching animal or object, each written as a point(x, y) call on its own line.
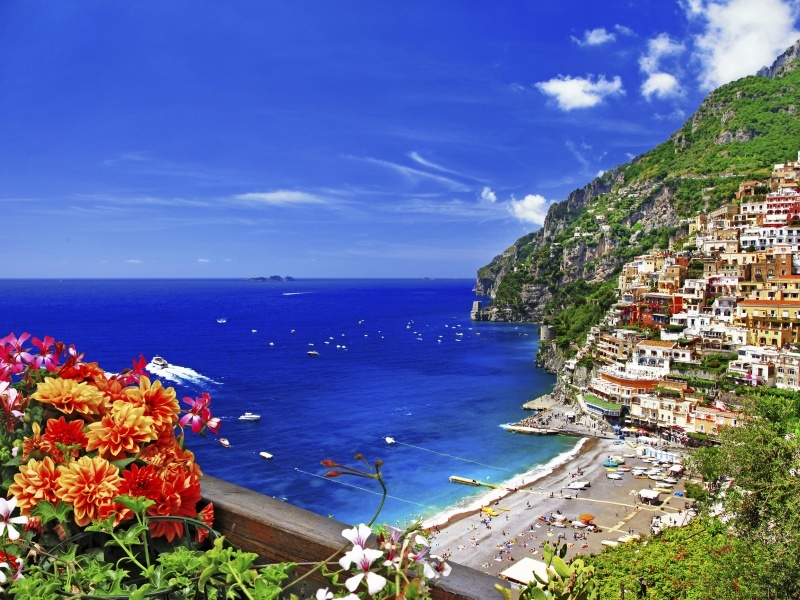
point(564, 274)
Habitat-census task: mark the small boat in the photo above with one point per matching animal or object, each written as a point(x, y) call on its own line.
point(160, 362)
point(266, 455)
point(222, 320)
point(248, 416)
point(224, 442)
point(390, 440)
point(312, 353)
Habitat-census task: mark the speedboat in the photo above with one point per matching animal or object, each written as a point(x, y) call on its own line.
point(266, 455)
point(222, 320)
point(159, 362)
point(224, 442)
point(312, 353)
point(248, 416)
point(390, 440)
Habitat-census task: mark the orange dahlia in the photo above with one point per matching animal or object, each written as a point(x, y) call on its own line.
point(112, 389)
point(166, 451)
point(69, 396)
point(179, 497)
point(34, 446)
point(160, 403)
point(89, 485)
point(206, 516)
point(120, 431)
point(36, 481)
point(60, 431)
point(142, 482)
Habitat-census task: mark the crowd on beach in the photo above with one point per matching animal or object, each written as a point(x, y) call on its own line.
point(536, 513)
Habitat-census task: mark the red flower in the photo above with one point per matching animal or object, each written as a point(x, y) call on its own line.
point(62, 432)
point(206, 515)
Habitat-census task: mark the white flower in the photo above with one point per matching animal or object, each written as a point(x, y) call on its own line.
point(6, 508)
point(435, 568)
point(358, 535)
point(363, 558)
point(324, 594)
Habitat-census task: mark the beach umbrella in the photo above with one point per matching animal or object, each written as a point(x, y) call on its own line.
point(586, 517)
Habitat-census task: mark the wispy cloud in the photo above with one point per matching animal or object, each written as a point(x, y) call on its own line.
point(203, 260)
point(594, 37)
point(134, 261)
point(488, 195)
point(417, 175)
point(627, 31)
point(580, 92)
point(740, 36)
point(280, 198)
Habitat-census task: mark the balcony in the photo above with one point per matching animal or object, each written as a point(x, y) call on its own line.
point(279, 532)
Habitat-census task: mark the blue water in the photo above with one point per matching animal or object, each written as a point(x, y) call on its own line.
point(443, 401)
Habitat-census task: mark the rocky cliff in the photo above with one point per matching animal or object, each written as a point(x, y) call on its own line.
point(553, 274)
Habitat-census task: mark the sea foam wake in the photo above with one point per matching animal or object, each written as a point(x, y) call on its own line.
point(180, 375)
point(474, 503)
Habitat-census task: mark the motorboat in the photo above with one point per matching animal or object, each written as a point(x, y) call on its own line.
point(222, 320)
point(390, 440)
point(160, 362)
point(266, 455)
point(312, 353)
point(248, 416)
point(224, 442)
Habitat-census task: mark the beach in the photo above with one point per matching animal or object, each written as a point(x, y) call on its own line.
point(494, 543)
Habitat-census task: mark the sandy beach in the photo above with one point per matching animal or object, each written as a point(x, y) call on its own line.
point(492, 544)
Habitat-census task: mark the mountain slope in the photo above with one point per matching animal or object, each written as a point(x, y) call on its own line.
point(563, 274)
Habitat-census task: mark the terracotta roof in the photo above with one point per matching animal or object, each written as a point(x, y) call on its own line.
point(659, 343)
point(794, 303)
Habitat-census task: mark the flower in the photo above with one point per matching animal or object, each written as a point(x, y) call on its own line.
point(121, 431)
point(6, 508)
point(47, 357)
point(69, 434)
point(71, 396)
point(358, 535)
point(161, 404)
point(199, 414)
point(89, 485)
point(323, 594)
point(363, 559)
point(35, 482)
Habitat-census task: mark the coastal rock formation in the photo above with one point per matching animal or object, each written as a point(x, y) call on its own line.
point(643, 205)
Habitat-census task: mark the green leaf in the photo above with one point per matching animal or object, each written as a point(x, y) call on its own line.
point(561, 567)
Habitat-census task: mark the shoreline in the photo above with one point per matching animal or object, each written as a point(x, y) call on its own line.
point(454, 513)
point(492, 544)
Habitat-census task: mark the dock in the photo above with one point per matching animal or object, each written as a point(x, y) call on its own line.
point(531, 430)
point(475, 482)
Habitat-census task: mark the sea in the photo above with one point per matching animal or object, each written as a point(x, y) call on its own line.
point(395, 358)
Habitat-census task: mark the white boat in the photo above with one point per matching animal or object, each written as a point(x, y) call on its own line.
point(248, 416)
point(390, 440)
point(222, 320)
point(159, 362)
point(266, 455)
point(312, 353)
point(224, 442)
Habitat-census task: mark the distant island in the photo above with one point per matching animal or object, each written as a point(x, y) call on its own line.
point(272, 278)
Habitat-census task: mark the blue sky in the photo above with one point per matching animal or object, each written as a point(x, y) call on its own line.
point(335, 138)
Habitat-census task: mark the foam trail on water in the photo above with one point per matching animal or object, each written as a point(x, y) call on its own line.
point(178, 374)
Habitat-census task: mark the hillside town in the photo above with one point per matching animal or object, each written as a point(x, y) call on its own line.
point(719, 309)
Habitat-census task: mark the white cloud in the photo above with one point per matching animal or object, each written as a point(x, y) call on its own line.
point(661, 85)
point(578, 92)
point(280, 198)
point(134, 261)
point(740, 36)
point(595, 37)
point(488, 195)
point(531, 209)
point(203, 260)
point(624, 30)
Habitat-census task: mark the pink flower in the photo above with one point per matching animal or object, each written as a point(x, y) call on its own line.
point(47, 355)
point(199, 414)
